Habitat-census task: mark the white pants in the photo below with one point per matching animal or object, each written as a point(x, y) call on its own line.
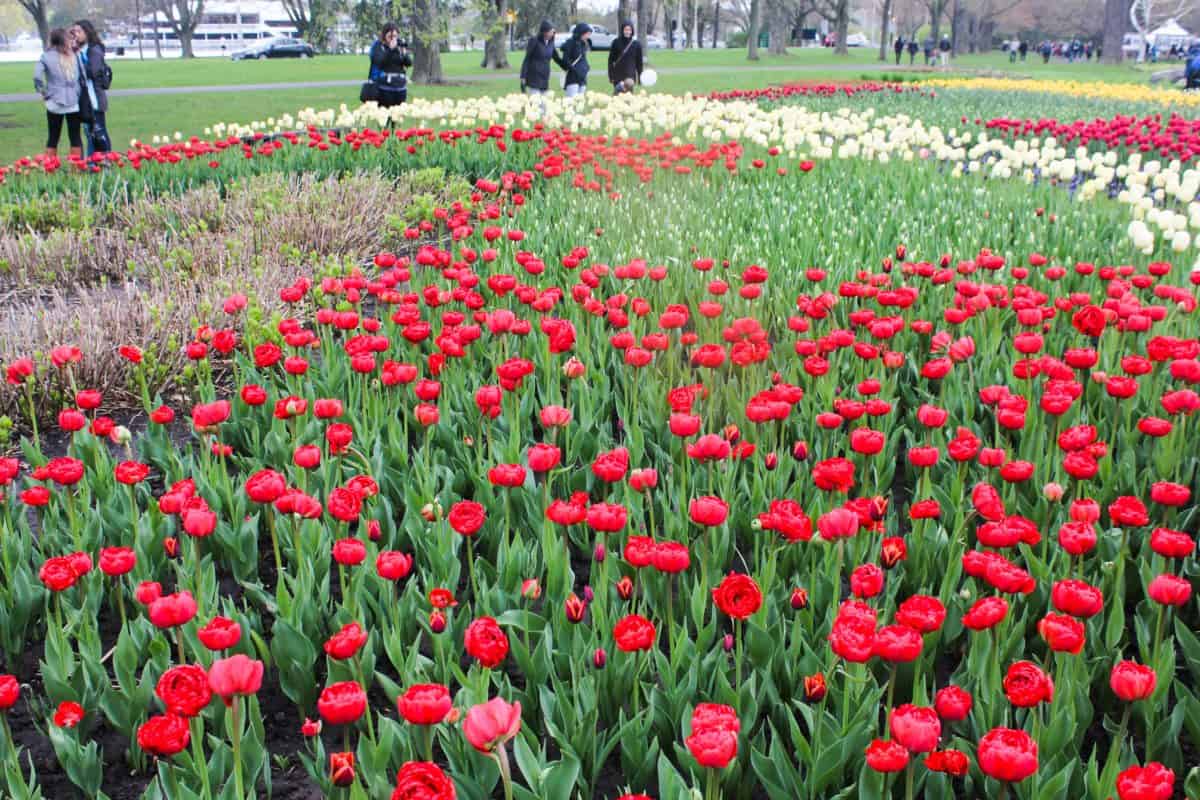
point(574, 89)
point(540, 94)
point(944, 55)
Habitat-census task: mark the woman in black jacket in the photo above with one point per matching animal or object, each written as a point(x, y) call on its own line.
point(539, 52)
point(625, 60)
point(574, 59)
point(389, 59)
point(95, 69)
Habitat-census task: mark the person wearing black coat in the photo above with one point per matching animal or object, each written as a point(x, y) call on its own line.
point(574, 59)
point(96, 70)
point(899, 48)
point(539, 52)
point(625, 60)
point(913, 47)
point(389, 59)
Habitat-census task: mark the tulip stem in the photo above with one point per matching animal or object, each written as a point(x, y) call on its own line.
point(236, 737)
point(713, 790)
point(737, 657)
point(887, 719)
point(179, 642)
point(274, 545)
point(505, 773)
point(908, 781)
point(33, 424)
point(428, 736)
point(197, 726)
point(471, 567)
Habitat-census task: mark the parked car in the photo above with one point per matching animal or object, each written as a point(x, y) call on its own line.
point(652, 42)
point(602, 39)
point(857, 40)
point(277, 48)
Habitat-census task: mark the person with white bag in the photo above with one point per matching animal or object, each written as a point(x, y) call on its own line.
point(574, 60)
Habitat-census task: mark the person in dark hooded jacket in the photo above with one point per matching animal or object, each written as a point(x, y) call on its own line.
point(539, 52)
point(574, 59)
point(625, 60)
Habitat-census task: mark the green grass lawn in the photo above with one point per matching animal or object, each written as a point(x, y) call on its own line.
point(22, 125)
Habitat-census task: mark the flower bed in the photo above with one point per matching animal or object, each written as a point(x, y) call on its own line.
point(725, 462)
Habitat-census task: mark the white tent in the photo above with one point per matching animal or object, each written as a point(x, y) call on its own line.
point(1168, 34)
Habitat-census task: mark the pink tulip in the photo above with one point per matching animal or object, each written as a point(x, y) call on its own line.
point(236, 675)
point(491, 724)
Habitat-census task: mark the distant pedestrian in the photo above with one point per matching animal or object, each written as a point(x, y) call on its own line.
point(928, 47)
point(97, 77)
point(574, 59)
point(913, 47)
point(944, 51)
point(625, 60)
point(56, 79)
point(1023, 48)
point(1011, 46)
point(389, 60)
point(535, 67)
point(1046, 50)
point(899, 48)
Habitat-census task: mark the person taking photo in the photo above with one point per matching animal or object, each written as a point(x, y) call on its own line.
point(625, 60)
point(389, 60)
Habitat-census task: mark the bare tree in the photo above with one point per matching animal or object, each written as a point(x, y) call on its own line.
point(884, 19)
point(838, 12)
point(937, 10)
point(430, 27)
point(182, 18)
point(495, 48)
point(38, 10)
point(752, 30)
point(1115, 14)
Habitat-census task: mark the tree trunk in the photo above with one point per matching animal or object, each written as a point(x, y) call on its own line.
point(495, 52)
point(884, 44)
point(185, 44)
point(843, 27)
point(622, 13)
point(694, 30)
point(716, 21)
point(137, 15)
point(643, 19)
point(426, 50)
point(43, 26)
point(752, 37)
point(777, 24)
point(1116, 13)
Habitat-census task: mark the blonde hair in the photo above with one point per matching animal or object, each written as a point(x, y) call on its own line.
point(66, 56)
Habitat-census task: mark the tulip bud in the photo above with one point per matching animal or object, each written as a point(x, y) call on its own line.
point(373, 530)
point(341, 768)
point(469, 441)
point(574, 608)
point(599, 658)
point(756, 524)
point(731, 434)
point(588, 594)
point(799, 599)
point(574, 368)
point(727, 642)
point(310, 727)
point(892, 552)
point(171, 546)
point(431, 512)
point(771, 461)
point(625, 588)
point(120, 435)
point(814, 688)
point(437, 621)
point(800, 451)
point(531, 589)
point(600, 554)
point(1053, 492)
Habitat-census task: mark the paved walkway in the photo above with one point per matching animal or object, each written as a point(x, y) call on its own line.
point(451, 79)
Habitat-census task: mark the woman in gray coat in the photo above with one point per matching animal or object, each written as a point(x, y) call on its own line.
point(96, 70)
point(56, 79)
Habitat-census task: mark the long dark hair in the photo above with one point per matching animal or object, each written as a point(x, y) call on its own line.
point(58, 41)
point(90, 31)
point(388, 27)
